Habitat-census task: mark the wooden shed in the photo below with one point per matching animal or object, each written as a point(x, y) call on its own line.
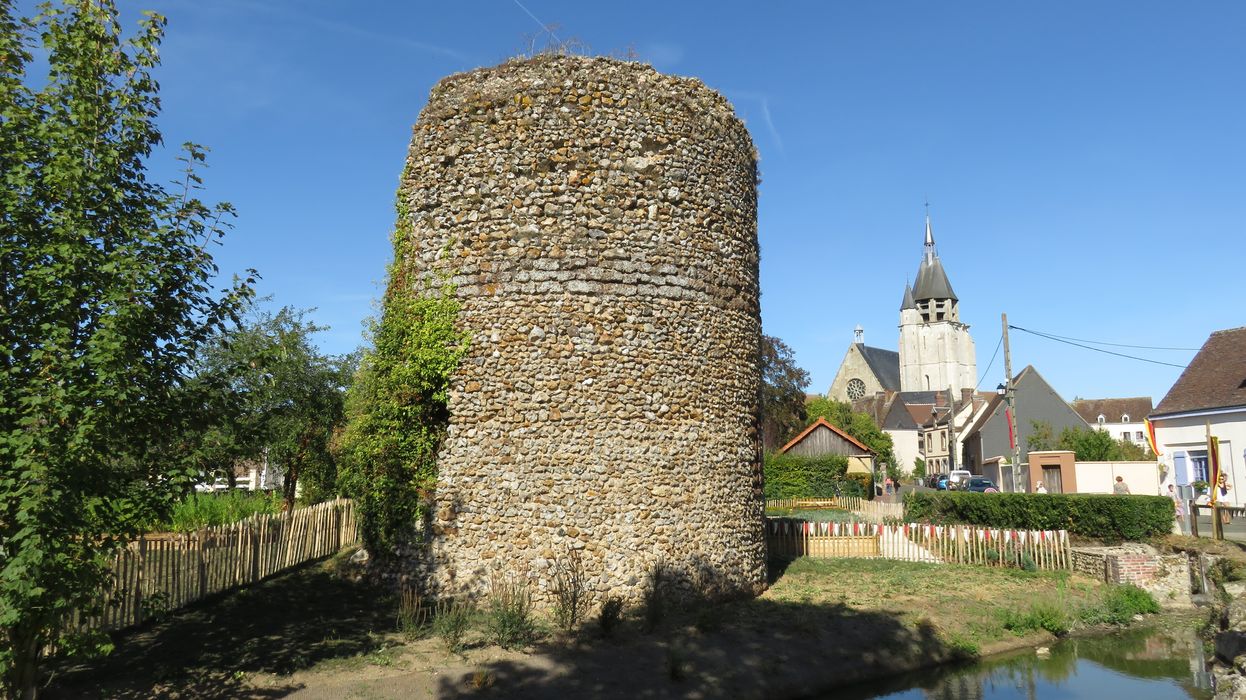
point(821, 438)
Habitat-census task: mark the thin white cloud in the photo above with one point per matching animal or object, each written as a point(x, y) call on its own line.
point(345, 28)
point(763, 101)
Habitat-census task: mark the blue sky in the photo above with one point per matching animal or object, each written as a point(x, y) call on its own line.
point(1084, 161)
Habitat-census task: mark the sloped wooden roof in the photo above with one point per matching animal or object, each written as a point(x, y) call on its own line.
point(826, 424)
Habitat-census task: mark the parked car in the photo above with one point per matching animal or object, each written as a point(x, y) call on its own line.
point(941, 482)
point(958, 477)
point(980, 484)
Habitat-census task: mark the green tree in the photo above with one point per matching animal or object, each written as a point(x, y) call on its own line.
point(1041, 437)
point(106, 290)
point(782, 393)
point(273, 393)
point(859, 425)
point(1090, 445)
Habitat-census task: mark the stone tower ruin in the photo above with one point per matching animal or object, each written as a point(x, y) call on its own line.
point(598, 222)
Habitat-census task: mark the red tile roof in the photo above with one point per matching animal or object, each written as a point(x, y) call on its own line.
point(1112, 410)
point(1215, 378)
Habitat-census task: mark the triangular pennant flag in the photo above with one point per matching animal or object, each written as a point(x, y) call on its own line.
point(981, 535)
point(1021, 536)
point(1008, 535)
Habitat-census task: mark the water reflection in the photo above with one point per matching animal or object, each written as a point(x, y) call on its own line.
point(1136, 665)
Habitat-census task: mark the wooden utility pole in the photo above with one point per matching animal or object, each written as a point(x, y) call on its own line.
point(1010, 395)
point(951, 429)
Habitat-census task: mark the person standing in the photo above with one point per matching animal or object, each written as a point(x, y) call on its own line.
point(1178, 507)
point(1120, 488)
point(1222, 496)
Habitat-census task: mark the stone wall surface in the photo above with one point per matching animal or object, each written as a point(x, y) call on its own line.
point(598, 221)
point(1164, 576)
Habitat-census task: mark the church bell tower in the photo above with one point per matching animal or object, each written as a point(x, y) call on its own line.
point(936, 351)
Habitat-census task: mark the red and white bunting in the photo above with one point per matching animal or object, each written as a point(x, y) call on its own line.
point(1021, 536)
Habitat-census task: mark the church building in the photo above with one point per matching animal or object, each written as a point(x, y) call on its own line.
point(936, 359)
point(936, 351)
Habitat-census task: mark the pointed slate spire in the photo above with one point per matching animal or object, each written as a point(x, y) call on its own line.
point(931, 281)
point(908, 302)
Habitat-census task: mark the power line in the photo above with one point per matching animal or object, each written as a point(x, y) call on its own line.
point(1053, 336)
point(991, 363)
point(1059, 339)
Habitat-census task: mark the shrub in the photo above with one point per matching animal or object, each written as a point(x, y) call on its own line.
point(200, 510)
point(510, 622)
point(571, 595)
point(859, 484)
point(413, 615)
point(1097, 516)
point(1121, 603)
point(655, 595)
point(792, 476)
point(451, 620)
point(1040, 616)
point(610, 616)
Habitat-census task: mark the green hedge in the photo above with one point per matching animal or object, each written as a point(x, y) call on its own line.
point(1097, 516)
point(789, 476)
point(863, 482)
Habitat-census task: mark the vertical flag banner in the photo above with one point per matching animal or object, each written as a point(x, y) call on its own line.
point(1213, 466)
point(1150, 437)
point(1012, 439)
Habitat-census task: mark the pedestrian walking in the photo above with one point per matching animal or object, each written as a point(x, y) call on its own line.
point(1120, 488)
point(1178, 507)
point(888, 484)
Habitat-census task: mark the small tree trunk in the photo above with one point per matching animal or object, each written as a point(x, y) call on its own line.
point(289, 486)
point(23, 675)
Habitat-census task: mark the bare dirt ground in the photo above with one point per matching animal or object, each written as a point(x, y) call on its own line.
point(316, 633)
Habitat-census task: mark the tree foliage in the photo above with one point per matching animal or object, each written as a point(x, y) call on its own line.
point(396, 408)
point(106, 289)
point(783, 392)
point(274, 396)
point(1087, 444)
point(859, 425)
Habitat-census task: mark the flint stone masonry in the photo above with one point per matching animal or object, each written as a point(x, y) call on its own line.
point(1166, 577)
point(598, 220)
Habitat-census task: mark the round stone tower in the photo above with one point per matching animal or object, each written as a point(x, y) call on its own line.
point(599, 223)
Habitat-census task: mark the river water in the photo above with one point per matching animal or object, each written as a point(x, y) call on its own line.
point(1136, 665)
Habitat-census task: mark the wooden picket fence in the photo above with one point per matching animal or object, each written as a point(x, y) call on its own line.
point(163, 572)
point(872, 511)
point(918, 542)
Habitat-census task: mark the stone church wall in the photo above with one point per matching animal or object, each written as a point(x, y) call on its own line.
point(599, 222)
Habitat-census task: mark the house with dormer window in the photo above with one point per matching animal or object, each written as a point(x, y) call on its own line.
point(1123, 419)
point(1208, 398)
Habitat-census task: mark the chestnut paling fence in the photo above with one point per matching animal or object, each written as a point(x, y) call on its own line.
point(919, 542)
point(872, 511)
point(162, 572)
